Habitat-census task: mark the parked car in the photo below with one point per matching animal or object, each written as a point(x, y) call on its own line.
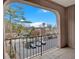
point(33, 45)
point(43, 42)
point(50, 37)
point(54, 36)
point(27, 45)
point(30, 45)
point(38, 44)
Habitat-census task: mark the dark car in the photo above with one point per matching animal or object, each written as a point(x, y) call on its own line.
point(43, 42)
point(30, 45)
point(50, 37)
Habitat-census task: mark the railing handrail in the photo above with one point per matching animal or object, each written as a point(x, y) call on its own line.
point(22, 37)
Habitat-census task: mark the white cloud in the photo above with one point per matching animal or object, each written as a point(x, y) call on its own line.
point(44, 10)
point(37, 24)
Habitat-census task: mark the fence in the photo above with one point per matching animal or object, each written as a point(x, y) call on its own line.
point(27, 46)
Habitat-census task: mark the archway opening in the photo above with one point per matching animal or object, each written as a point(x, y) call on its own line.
point(39, 25)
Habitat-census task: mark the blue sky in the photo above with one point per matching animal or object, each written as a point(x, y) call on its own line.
point(35, 14)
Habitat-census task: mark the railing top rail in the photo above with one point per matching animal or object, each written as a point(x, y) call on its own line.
point(22, 37)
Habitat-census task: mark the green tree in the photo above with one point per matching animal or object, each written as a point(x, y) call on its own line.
point(11, 14)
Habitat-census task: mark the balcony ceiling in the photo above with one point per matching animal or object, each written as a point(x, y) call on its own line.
point(64, 3)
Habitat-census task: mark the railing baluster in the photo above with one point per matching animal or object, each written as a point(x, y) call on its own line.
point(41, 45)
point(26, 48)
point(36, 44)
point(19, 50)
point(38, 47)
point(34, 39)
point(33, 48)
point(30, 47)
point(23, 47)
point(15, 48)
point(10, 47)
point(44, 45)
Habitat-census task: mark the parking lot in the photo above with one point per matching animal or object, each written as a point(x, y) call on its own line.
point(23, 51)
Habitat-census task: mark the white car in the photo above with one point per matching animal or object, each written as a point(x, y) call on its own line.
point(33, 45)
point(38, 44)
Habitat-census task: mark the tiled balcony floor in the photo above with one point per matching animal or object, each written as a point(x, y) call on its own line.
point(64, 53)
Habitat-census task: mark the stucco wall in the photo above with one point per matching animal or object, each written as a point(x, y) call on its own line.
point(70, 14)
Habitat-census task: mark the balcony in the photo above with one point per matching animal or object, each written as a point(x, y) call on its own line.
point(39, 47)
point(60, 46)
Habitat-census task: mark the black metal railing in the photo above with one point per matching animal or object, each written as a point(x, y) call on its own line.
point(30, 46)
